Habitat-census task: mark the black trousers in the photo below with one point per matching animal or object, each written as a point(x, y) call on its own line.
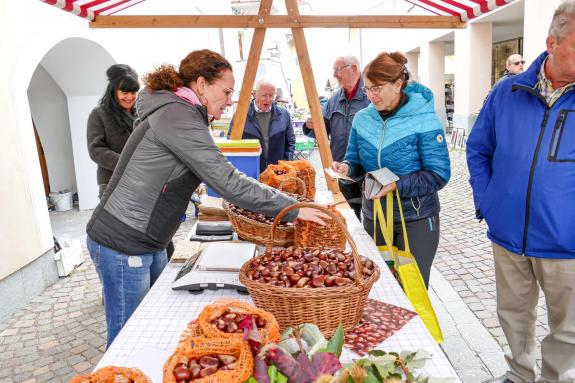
point(423, 237)
point(352, 193)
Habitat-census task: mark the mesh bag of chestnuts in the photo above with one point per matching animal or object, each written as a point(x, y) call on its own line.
point(306, 173)
point(113, 374)
point(283, 177)
point(310, 234)
point(210, 360)
point(225, 319)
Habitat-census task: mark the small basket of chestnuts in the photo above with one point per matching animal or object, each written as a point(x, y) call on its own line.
point(325, 286)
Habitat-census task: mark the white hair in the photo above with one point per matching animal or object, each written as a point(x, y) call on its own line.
point(349, 60)
point(263, 81)
point(562, 19)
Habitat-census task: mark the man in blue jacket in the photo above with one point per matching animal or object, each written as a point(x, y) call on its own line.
point(270, 124)
point(521, 158)
point(338, 113)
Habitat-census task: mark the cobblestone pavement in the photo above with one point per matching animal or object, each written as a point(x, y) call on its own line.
point(62, 332)
point(464, 256)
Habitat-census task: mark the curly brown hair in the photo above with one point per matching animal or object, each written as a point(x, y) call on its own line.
point(387, 67)
point(203, 63)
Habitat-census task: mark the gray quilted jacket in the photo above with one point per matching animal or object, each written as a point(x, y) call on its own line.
point(167, 156)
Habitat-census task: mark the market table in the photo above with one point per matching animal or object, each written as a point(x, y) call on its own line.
point(152, 332)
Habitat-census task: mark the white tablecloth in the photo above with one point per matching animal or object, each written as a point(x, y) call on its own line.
point(164, 314)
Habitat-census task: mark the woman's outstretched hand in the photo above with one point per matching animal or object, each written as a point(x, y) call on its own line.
point(311, 214)
point(341, 168)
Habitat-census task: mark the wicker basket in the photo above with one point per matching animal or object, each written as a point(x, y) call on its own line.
point(258, 232)
point(326, 307)
point(310, 234)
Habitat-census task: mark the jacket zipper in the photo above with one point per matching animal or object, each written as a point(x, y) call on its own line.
point(533, 162)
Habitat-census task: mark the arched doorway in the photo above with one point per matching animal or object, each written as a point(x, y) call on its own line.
point(66, 85)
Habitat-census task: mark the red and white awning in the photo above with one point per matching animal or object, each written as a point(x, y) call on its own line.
point(89, 9)
point(466, 9)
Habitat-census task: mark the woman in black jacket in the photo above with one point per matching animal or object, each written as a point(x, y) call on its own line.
point(110, 123)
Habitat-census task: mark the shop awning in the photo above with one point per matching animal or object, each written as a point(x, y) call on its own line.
point(89, 9)
point(466, 9)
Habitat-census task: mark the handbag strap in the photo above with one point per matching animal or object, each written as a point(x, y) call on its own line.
point(383, 224)
point(386, 225)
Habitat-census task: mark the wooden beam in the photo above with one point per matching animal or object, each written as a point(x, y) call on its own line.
point(277, 21)
point(250, 74)
point(311, 94)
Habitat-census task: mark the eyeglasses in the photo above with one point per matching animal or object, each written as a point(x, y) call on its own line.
point(337, 69)
point(375, 89)
point(519, 62)
point(229, 91)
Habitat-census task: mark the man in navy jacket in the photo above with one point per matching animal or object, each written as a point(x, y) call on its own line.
point(521, 158)
point(270, 124)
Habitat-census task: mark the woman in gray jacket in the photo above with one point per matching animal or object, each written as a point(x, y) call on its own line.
point(110, 123)
point(167, 156)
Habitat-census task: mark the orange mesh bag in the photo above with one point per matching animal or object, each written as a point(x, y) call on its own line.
point(222, 320)
point(283, 177)
point(306, 173)
point(310, 234)
point(113, 374)
point(228, 360)
point(191, 331)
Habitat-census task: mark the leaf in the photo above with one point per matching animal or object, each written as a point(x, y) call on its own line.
point(251, 380)
point(325, 363)
point(377, 353)
point(311, 334)
point(335, 344)
point(272, 373)
point(281, 378)
point(370, 378)
point(251, 334)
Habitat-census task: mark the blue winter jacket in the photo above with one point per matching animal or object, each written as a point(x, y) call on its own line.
point(281, 135)
point(410, 143)
point(338, 115)
point(521, 159)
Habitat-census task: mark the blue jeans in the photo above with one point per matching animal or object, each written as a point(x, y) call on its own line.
point(126, 279)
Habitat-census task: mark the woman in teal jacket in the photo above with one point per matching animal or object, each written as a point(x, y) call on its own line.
point(400, 131)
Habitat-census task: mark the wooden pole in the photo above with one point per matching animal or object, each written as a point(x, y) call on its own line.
point(250, 74)
point(311, 94)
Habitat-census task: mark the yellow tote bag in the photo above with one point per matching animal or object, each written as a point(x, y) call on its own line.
point(406, 265)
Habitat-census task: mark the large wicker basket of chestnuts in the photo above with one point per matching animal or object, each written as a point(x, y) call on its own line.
point(325, 286)
point(256, 227)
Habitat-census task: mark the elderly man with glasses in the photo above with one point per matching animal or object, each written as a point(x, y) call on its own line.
point(338, 114)
point(270, 124)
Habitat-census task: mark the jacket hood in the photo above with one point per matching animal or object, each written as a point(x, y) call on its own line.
point(150, 101)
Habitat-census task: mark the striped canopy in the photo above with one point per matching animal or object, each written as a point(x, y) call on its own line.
point(465, 9)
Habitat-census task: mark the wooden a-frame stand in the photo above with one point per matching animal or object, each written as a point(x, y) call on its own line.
point(296, 22)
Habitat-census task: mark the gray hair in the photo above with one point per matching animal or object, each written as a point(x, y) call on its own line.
point(562, 18)
point(263, 81)
point(350, 60)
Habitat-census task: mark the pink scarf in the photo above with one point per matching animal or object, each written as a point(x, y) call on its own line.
point(190, 96)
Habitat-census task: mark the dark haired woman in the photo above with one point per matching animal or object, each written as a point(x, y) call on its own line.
point(399, 130)
point(169, 154)
point(110, 123)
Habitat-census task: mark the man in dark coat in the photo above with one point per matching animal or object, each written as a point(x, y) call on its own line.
point(270, 124)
